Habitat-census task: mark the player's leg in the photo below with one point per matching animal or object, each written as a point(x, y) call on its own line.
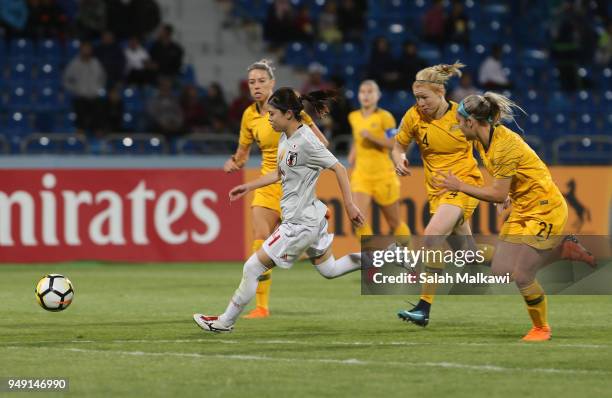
point(439, 227)
point(364, 202)
point(259, 263)
point(387, 196)
point(528, 261)
point(321, 256)
point(265, 220)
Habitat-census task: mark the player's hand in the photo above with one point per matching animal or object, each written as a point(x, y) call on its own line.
point(355, 214)
point(237, 192)
point(503, 206)
point(230, 166)
point(446, 182)
point(401, 166)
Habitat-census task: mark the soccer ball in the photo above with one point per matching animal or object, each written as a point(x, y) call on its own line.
point(54, 292)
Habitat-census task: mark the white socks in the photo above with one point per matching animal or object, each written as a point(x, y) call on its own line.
point(253, 269)
point(331, 268)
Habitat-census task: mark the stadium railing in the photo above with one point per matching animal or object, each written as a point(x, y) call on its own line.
point(578, 149)
point(56, 143)
point(206, 143)
point(134, 144)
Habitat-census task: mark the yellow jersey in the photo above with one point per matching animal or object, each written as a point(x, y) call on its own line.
point(442, 144)
point(508, 156)
point(371, 160)
point(255, 127)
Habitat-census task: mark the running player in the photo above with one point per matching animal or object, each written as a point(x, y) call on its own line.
point(433, 125)
point(301, 158)
point(374, 175)
point(532, 236)
point(265, 206)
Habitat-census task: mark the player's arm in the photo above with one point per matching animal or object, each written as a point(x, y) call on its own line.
point(382, 142)
point(352, 154)
point(239, 191)
point(398, 155)
point(496, 192)
point(352, 210)
point(237, 160)
point(319, 134)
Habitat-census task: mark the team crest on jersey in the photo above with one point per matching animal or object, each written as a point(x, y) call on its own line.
point(292, 159)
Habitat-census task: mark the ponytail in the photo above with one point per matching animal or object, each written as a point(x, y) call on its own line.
point(320, 100)
point(286, 99)
point(491, 107)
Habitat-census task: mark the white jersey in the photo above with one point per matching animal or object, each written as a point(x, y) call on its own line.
point(301, 158)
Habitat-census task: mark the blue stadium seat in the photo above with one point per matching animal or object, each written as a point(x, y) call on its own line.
point(297, 54)
point(64, 122)
point(19, 98)
point(46, 99)
point(50, 50)
point(49, 72)
point(585, 124)
point(18, 124)
point(54, 144)
point(585, 102)
point(21, 69)
point(21, 48)
point(135, 144)
point(558, 101)
point(133, 100)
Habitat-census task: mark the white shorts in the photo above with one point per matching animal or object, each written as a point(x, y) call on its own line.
point(289, 241)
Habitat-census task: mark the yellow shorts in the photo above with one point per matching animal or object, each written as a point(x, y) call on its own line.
point(541, 229)
point(268, 197)
point(467, 203)
point(385, 191)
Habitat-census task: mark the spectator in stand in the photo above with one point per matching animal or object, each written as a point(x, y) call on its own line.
point(164, 110)
point(408, 65)
point(603, 56)
point(84, 79)
point(239, 104)
point(112, 111)
point(491, 75)
point(14, 17)
point(139, 68)
point(457, 29)
point(45, 20)
point(111, 56)
point(314, 80)
point(566, 47)
point(339, 110)
point(383, 66)
point(304, 25)
point(279, 27)
point(464, 89)
point(166, 53)
point(434, 24)
point(91, 19)
point(351, 20)
point(194, 110)
point(216, 108)
point(329, 31)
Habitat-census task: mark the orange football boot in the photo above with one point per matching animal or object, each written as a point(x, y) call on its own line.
point(543, 333)
point(258, 312)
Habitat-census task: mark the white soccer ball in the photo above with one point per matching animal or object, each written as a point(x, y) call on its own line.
point(54, 292)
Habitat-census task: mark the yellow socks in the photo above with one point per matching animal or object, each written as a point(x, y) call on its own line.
point(262, 296)
point(537, 306)
point(428, 290)
point(365, 229)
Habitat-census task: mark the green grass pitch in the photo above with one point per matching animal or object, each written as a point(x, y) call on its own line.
point(129, 333)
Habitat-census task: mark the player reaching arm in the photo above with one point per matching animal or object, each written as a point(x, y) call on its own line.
point(532, 236)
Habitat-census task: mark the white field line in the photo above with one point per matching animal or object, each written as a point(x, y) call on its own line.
point(214, 340)
point(350, 361)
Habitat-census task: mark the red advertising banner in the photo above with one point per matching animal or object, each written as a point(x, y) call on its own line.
point(119, 215)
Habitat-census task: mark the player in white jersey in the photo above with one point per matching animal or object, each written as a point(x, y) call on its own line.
point(301, 158)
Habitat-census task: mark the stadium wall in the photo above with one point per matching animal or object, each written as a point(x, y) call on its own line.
point(176, 209)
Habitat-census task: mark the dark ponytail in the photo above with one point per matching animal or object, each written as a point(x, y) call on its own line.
point(286, 99)
point(320, 100)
